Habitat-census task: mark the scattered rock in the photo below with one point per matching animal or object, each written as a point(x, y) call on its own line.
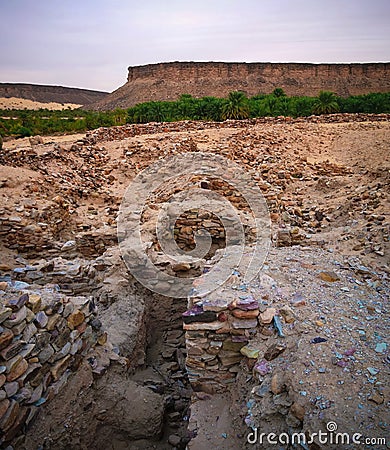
point(267, 316)
point(273, 351)
point(277, 383)
point(174, 440)
point(330, 277)
point(287, 313)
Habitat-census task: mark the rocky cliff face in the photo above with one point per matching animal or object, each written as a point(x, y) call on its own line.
point(167, 81)
point(46, 94)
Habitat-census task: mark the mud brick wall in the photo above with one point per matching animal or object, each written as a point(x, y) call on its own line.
point(43, 339)
point(217, 332)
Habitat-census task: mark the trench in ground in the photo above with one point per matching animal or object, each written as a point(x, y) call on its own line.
point(164, 370)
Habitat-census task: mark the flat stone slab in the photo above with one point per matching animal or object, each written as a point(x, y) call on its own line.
point(213, 326)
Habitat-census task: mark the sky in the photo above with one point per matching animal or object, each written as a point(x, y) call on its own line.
point(90, 43)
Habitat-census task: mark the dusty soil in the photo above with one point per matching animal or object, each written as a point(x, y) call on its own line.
point(328, 180)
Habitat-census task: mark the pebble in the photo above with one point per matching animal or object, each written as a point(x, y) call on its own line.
point(174, 440)
point(16, 317)
point(69, 245)
point(330, 277)
point(16, 304)
point(287, 313)
point(17, 370)
point(273, 351)
point(318, 340)
point(250, 352)
point(11, 388)
point(4, 313)
point(373, 371)
point(267, 316)
point(277, 383)
point(262, 368)
point(298, 411)
point(376, 398)
point(381, 347)
point(6, 338)
point(75, 319)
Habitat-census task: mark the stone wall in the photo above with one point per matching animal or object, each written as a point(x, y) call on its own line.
point(216, 334)
point(219, 329)
point(30, 237)
point(131, 130)
point(44, 336)
point(167, 81)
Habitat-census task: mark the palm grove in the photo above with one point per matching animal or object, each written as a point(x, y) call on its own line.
point(237, 105)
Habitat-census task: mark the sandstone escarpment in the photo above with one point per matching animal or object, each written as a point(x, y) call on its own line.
point(167, 81)
point(46, 94)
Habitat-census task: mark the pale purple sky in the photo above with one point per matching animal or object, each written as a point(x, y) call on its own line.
point(90, 43)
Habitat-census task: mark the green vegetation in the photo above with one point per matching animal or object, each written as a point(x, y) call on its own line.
point(22, 123)
point(326, 103)
point(278, 92)
point(236, 106)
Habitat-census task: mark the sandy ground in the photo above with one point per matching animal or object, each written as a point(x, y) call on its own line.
point(22, 103)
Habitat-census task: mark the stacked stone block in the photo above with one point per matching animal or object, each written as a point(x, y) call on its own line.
point(217, 332)
point(43, 339)
point(25, 236)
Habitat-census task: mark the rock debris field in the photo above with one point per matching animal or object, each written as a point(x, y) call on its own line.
point(91, 359)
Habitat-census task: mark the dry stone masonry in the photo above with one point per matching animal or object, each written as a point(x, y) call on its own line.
point(217, 332)
point(43, 339)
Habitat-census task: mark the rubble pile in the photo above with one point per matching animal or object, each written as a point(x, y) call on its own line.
point(77, 170)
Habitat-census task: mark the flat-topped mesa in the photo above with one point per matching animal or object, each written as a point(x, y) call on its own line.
point(47, 93)
point(167, 81)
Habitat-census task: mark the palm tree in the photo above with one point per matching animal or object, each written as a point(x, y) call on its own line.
point(209, 108)
point(186, 105)
point(271, 104)
point(325, 103)
point(236, 106)
point(278, 92)
point(156, 113)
